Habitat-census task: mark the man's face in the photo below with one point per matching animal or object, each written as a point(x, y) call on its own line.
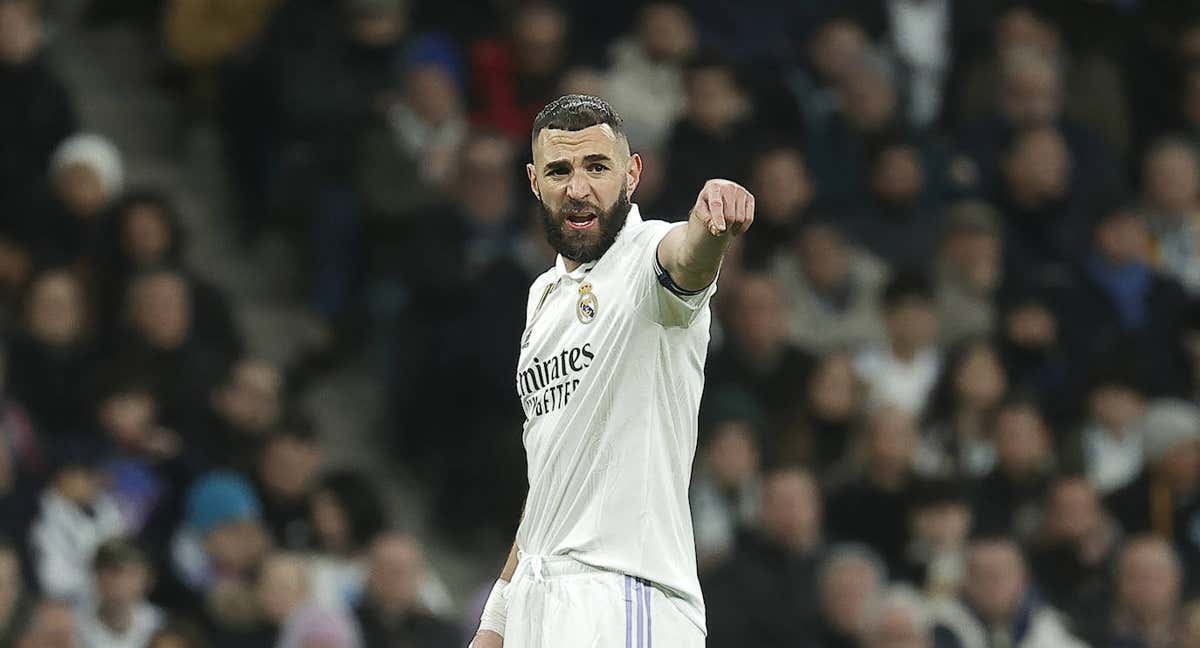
point(289, 466)
point(1149, 579)
point(782, 186)
point(846, 594)
point(1032, 93)
point(995, 581)
point(395, 573)
point(162, 310)
point(899, 177)
point(122, 585)
point(824, 257)
point(896, 629)
point(1173, 180)
point(251, 400)
point(584, 180)
point(1074, 511)
point(1041, 165)
point(791, 511)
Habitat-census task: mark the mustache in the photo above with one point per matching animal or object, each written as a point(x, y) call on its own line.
point(573, 206)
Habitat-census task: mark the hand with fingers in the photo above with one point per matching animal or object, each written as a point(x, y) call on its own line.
point(724, 208)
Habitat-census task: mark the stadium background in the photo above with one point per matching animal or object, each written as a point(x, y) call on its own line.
point(263, 267)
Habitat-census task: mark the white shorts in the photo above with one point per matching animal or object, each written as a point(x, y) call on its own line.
point(557, 602)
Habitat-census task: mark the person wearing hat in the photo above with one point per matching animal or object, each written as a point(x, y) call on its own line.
point(1163, 498)
point(87, 174)
point(121, 616)
point(969, 271)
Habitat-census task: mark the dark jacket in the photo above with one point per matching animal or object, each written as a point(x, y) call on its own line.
point(35, 116)
point(863, 512)
point(415, 630)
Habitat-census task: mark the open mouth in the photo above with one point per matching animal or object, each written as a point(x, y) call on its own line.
point(582, 220)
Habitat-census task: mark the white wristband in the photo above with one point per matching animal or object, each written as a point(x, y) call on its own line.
point(495, 611)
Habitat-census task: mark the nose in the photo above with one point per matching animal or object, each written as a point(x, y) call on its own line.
point(577, 187)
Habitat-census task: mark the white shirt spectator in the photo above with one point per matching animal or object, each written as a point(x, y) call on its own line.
point(64, 539)
point(1112, 460)
point(893, 381)
point(94, 633)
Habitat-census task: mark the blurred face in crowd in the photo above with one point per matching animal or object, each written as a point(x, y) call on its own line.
point(912, 323)
point(282, 587)
point(540, 35)
point(666, 32)
point(1123, 238)
point(146, 234)
point(128, 418)
point(11, 585)
point(1032, 92)
point(895, 627)
point(833, 390)
point(1031, 326)
point(79, 188)
point(715, 101)
point(394, 574)
point(760, 321)
point(289, 466)
point(20, 31)
point(55, 312)
point(1172, 179)
point(487, 186)
point(847, 592)
point(782, 188)
point(868, 97)
point(1038, 168)
point(975, 256)
point(237, 547)
point(123, 586)
point(942, 526)
point(433, 93)
point(1116, 406)
point(1020, 27)
point(791, 509)
point(331, 522)
point(1073, 511)
point(1149, 580)
point(584, 180)
point(836, 47)
point(252, 399)
point(980, 381)
point(824, 257)
point(1180, 466)
point(995, 581)
point(380, 26)
point(899, 177)
point(891, 442)
point(1021, 438)
point(79, 484)
point(52, 626)
point(160, 309)
point(733, 453)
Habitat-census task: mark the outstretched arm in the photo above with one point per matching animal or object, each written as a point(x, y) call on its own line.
point(692, 254)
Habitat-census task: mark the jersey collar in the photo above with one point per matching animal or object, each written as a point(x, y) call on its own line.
point(560, 267)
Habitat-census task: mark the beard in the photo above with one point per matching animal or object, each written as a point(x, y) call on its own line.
point(589, 245)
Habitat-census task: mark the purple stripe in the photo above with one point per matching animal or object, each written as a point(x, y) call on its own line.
point(649, 635)
point(637, 586)
point(628, 615)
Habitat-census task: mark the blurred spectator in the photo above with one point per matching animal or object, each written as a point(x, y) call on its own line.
point(121, 617)
point(1162, 497)
point(832, 289)
point(1171, 195)
point(220, 543)
point(969, 271)
point(711, 138)
point(1112, 437)
point(726, 487)
point(1073, 554)
point(899, 219)
point(243, 409)
point(51, 353)
point(322, 627)
point(763, 594)
point(1031, 343)
point(904, 369)
point(939, 519)
point(1122, 310)
point(645, 77)
point(955, 440)
point(898, 620)
point(834, 48)
point(281, 592)
point(1149, 582)
point(346, 514)
point(1009, 499)
point(177, 635)
point(87, 174)
point(406, 160)
point(758, 356)
point(783, 193)
point(34, 125)
point(288, 468)
point(14, 597)
point(514, 75)
point(390, 612)
point(850, 580)
point(203, 34)
point(76, 517)
point(872, 508)
point(999, 606)
point(833, 400)
point(51, 625)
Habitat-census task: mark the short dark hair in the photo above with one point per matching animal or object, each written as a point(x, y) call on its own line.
point(117, 552)
point(906, 285)
point(575, 112)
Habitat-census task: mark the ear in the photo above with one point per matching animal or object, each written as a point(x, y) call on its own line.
point(533, 181)
point(633, 174)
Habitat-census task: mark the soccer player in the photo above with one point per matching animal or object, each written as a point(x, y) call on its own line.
point(610, 377)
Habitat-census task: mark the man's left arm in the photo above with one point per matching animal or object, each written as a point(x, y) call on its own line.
point(691, 255)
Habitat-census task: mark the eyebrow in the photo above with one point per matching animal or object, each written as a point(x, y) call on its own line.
point(587, 159)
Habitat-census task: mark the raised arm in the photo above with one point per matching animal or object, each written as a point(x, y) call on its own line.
point(692, 255)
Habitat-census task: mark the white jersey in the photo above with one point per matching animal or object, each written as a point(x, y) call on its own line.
point(610, 377)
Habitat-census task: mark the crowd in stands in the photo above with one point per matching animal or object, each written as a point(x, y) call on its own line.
point(953, 382)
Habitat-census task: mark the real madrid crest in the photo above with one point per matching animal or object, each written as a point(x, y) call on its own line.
point(588, 305)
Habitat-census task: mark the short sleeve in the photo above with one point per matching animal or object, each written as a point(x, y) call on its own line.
point(665, 302)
